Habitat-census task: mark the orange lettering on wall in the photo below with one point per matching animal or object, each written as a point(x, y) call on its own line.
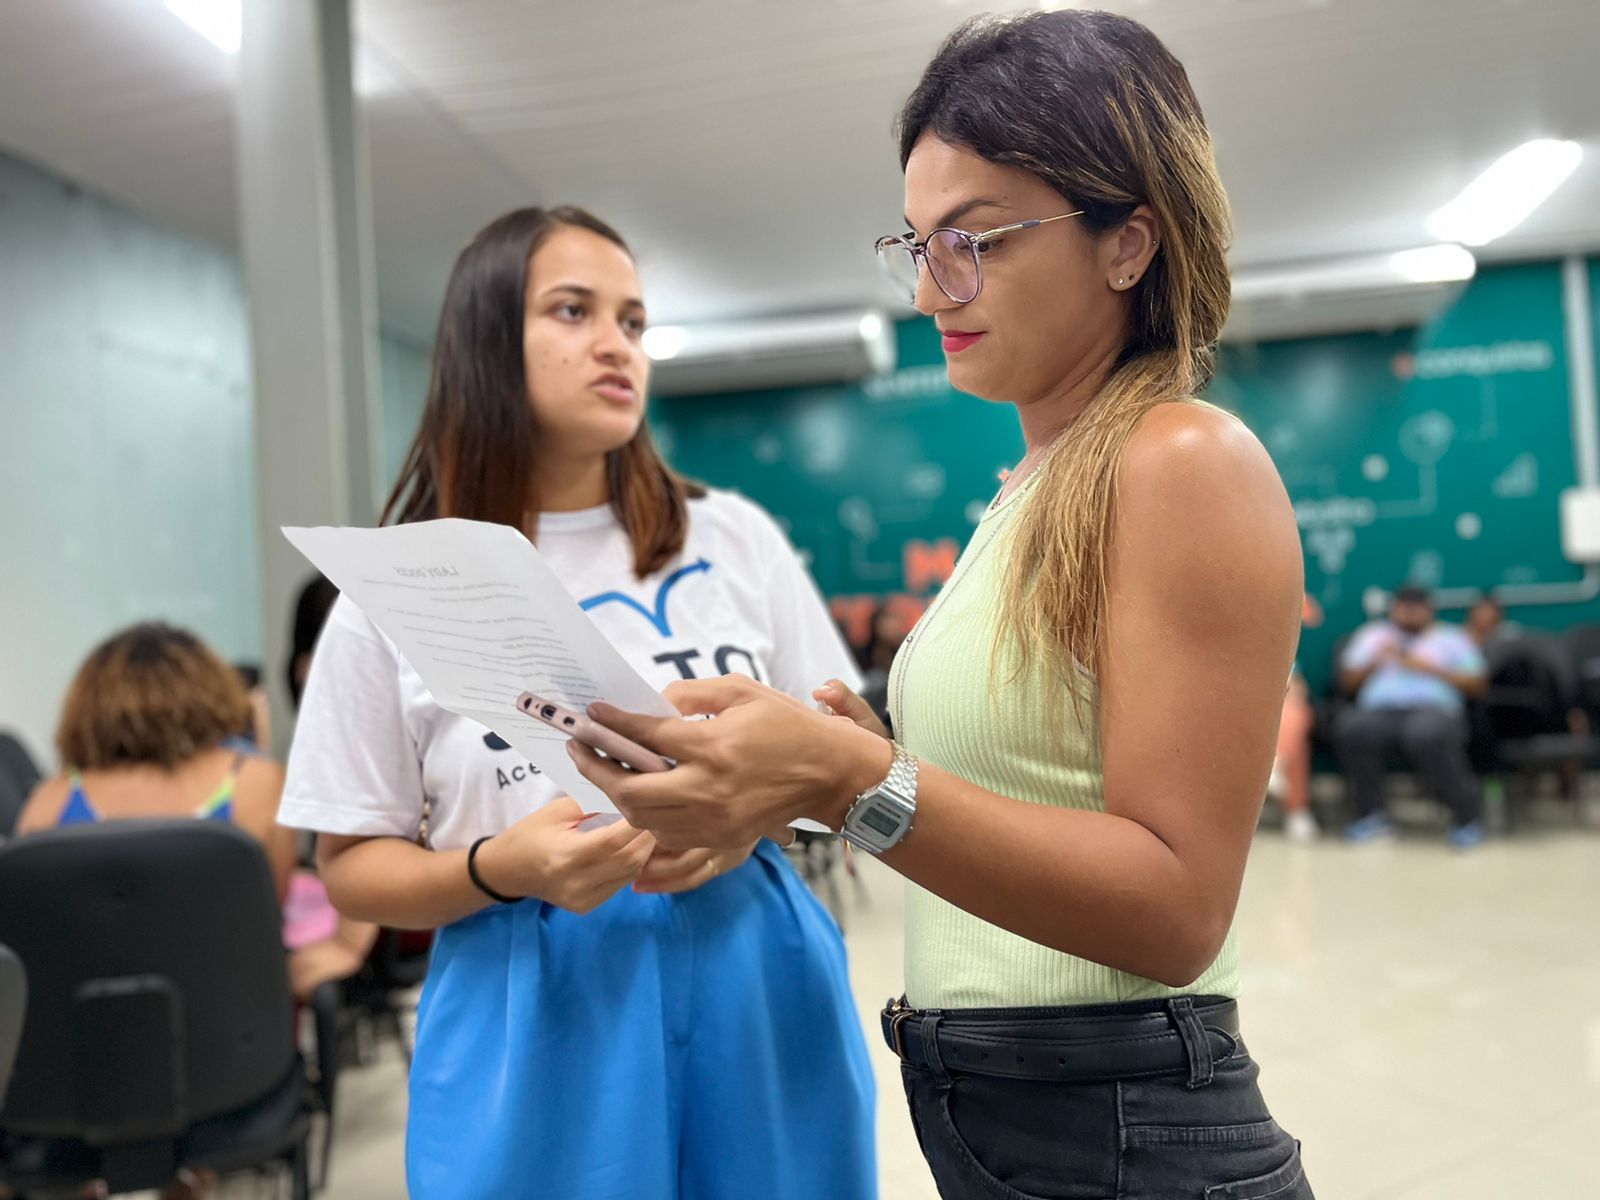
point(904, 611)
point(853, 614)
point(927, 565)
point(893, 615)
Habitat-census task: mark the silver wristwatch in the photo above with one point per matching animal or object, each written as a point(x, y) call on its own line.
point(881, 816)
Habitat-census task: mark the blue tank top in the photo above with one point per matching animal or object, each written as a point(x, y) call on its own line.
point(218, 807)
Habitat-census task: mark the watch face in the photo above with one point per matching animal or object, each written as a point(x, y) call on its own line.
point(880, 820)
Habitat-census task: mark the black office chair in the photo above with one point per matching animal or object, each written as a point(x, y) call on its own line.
point(12, 801)
point(380, 997)
point(1333, 699)
point(13, 1004)
point(17, 762)
point(1582, 647)
point(349, 1016)
point(160, 1033)
point(1533, 692)
point(19, 775)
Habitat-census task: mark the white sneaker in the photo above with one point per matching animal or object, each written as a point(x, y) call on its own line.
point(1277, 785)
point(1300, 826)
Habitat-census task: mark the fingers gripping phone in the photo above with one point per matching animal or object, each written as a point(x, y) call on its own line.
point(591, 733)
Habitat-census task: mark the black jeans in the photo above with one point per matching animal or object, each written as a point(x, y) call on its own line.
point(1433, 740)
point(1199, 1131)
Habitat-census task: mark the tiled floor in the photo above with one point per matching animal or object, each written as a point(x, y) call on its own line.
point(1428, 1023)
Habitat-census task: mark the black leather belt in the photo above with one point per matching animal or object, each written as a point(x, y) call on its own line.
point(1058, 1046)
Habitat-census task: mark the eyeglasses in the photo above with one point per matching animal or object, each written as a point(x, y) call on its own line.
point(953, 257)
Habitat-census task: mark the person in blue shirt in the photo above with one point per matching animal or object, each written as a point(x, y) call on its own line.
point(1411, 676)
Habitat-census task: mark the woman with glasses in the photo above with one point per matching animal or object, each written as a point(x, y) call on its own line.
point(1086, 716)
point(604, 1019)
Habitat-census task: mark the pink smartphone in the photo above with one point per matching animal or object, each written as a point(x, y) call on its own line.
point(592, 734)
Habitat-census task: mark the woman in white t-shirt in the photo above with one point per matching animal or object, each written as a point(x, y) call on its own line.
point(602, 1018)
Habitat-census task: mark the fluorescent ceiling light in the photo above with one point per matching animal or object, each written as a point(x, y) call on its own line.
point(1444, 263)
point(1500, 199)
point(662, 342)
point(1356, 274)
point(218, 21)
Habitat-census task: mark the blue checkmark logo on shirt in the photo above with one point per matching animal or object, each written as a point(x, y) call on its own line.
point(658, 617)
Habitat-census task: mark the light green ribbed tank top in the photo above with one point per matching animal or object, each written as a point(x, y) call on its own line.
point(946, 713)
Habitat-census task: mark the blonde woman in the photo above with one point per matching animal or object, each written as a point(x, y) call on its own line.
point(1087, 714)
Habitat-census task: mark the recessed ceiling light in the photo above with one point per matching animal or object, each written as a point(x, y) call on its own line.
point(218, 21)
point(1500, 199)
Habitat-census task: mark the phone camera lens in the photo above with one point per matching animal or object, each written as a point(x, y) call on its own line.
point(548, 711)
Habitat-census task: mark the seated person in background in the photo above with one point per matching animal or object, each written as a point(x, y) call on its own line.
point(1487, 625)
point(145, 732)
point(1411, 676)
point(311, 609)
point(1290, 783)
point(155, 724)
point(257, 733)
point(891, 622)
point(323, 946)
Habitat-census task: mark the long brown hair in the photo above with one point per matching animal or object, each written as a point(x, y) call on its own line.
point(473, 455)
point(1096, 106)
point(150, 695)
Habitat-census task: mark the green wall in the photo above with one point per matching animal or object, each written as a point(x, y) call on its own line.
point(1435, 454)
point(125, 433)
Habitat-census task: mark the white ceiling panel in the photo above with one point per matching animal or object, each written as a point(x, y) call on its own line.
point(744, 146)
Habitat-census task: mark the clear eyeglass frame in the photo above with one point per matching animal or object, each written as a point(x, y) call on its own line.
point(952, 257)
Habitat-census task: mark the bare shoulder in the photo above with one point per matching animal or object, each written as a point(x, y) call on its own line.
point(261, 772)
point(1178, 447)
point(1196, 467)
point(260, 783)
point(45, 804)
point(1201, 511)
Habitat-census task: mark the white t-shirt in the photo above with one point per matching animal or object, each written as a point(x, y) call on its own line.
point(370, 743)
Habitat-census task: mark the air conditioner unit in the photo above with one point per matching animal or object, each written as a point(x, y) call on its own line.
point(778, 352)
point(1378, 291)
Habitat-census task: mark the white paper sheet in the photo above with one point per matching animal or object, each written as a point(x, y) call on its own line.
point(482, 617)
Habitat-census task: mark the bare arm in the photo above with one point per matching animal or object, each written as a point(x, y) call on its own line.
point(44, 806)
point(390, 881)
point(1205, 593)
point(1474, 686)
point(1469, 683)
point(393, 882)
point(1205, 596)
point(1353, 679)
point(257, 795)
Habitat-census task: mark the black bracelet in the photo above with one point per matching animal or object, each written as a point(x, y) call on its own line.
point(477, 880)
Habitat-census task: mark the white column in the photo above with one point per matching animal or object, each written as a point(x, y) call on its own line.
point(305, 235)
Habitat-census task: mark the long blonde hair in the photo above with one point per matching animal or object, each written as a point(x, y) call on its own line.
point(1096, 106)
